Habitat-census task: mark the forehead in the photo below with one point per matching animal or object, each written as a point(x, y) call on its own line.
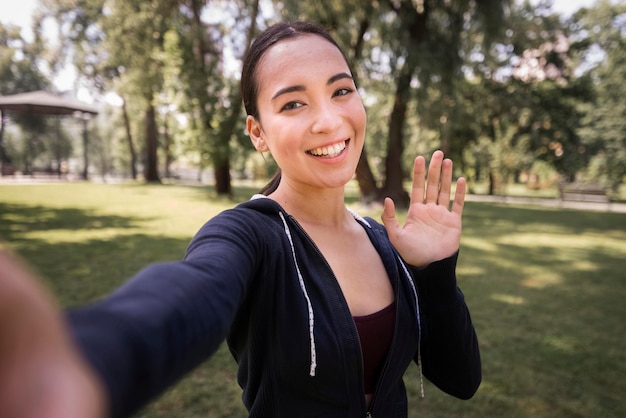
point(306, 55)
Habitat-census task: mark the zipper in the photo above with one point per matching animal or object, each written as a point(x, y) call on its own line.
point(393, 343)
point(332, 274)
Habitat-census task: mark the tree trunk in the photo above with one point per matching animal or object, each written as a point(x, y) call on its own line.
point(221, 158)
point(222, 178)
point(129, 138)
point(364, 176)
point(167, 141)
point(394, 177)
point(151, 174)
point(3, 157)
point(85, 174)
point(365, 179)
point(414, 21)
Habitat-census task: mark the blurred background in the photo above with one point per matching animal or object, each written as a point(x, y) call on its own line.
point(518, 93)
point(123, 131)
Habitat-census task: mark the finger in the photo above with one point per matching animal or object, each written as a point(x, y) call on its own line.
point(459, 196)
point(419, 178)
point(389, 218)
point(434, 173)
point(446, 183)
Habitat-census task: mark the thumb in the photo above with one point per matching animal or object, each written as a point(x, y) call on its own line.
point(389, 218)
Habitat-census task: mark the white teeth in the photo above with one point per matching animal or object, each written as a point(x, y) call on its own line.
point(330, 151)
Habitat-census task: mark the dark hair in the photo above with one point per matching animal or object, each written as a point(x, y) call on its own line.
point(268, 38)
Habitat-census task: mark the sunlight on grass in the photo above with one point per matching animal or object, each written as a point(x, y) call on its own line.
point(564, 344)
point(471, 270)
point(542, 280)
point(545, 287)
point(509, 299)
point(480, 244)
point(564, 240)
point(78, 235)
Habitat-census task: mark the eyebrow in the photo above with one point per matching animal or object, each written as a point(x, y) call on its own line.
point(292, 89)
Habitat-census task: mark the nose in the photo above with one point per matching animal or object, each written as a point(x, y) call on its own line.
point(326, 118)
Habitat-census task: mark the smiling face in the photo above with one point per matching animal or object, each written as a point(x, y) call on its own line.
point(310, 115)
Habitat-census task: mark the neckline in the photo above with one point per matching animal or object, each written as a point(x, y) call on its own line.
point(377, 314)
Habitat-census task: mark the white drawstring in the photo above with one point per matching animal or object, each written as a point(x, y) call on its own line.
point(310, 307)
point(306, 296)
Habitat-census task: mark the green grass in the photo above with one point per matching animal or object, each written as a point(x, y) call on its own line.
point(546, 288)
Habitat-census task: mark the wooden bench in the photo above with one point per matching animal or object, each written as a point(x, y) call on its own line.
point(579, 192)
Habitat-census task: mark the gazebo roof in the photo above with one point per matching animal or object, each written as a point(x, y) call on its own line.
point(44, 103)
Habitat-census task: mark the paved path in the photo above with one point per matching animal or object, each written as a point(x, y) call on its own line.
point(555, 203)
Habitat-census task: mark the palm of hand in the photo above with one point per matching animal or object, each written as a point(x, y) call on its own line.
point(431, 231)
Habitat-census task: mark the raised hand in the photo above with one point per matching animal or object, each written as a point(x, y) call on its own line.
point(432, 230)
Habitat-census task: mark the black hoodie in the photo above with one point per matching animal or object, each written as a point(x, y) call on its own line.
point(252, 276)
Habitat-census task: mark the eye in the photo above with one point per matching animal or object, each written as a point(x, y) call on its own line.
point(342, 92)
point(291, 106)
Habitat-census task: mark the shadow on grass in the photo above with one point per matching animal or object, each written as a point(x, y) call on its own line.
point(79, 272)
point(16, 219)
point(86, 269)
point(546, 290)
point(494, 219)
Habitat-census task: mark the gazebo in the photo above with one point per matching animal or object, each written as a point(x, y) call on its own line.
point(46, 104)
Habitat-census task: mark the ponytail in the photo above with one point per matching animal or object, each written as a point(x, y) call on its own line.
point(271, 187)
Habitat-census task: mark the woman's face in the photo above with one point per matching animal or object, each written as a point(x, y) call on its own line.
point(311, 117)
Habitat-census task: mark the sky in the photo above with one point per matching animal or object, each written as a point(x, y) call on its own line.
point(20, 13)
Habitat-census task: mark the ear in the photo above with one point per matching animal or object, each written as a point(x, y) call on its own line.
point(256, 134)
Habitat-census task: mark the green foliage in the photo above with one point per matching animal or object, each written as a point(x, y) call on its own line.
point(604, 129)
point(20, 63)
point(433, 74)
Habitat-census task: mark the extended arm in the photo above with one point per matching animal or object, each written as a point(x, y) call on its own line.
point(168, 318)
point(42, 374)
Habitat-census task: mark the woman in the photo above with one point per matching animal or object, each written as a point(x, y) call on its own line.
point(322, 310)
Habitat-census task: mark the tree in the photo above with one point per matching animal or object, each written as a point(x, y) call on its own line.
point(232, 113)
point(521, 98)
point(604, 129)
point(82, 39)
point(20, 63)
point(135, 42)
point(417, 43)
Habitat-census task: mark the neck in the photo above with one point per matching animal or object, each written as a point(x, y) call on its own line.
point(320, 207)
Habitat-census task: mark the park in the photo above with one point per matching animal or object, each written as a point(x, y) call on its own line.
point(545, 287)
point(527, 102)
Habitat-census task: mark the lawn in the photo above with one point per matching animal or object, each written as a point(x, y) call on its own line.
point(546, 288)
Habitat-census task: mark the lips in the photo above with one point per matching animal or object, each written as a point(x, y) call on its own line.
point(329, 151)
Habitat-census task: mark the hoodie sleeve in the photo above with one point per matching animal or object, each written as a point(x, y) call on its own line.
point(170, 316)
point(449, 351)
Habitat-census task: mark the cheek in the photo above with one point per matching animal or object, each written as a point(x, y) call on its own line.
point(359, 116)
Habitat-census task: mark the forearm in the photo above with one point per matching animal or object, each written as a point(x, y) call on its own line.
point(152, 331)
point(450, 351)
